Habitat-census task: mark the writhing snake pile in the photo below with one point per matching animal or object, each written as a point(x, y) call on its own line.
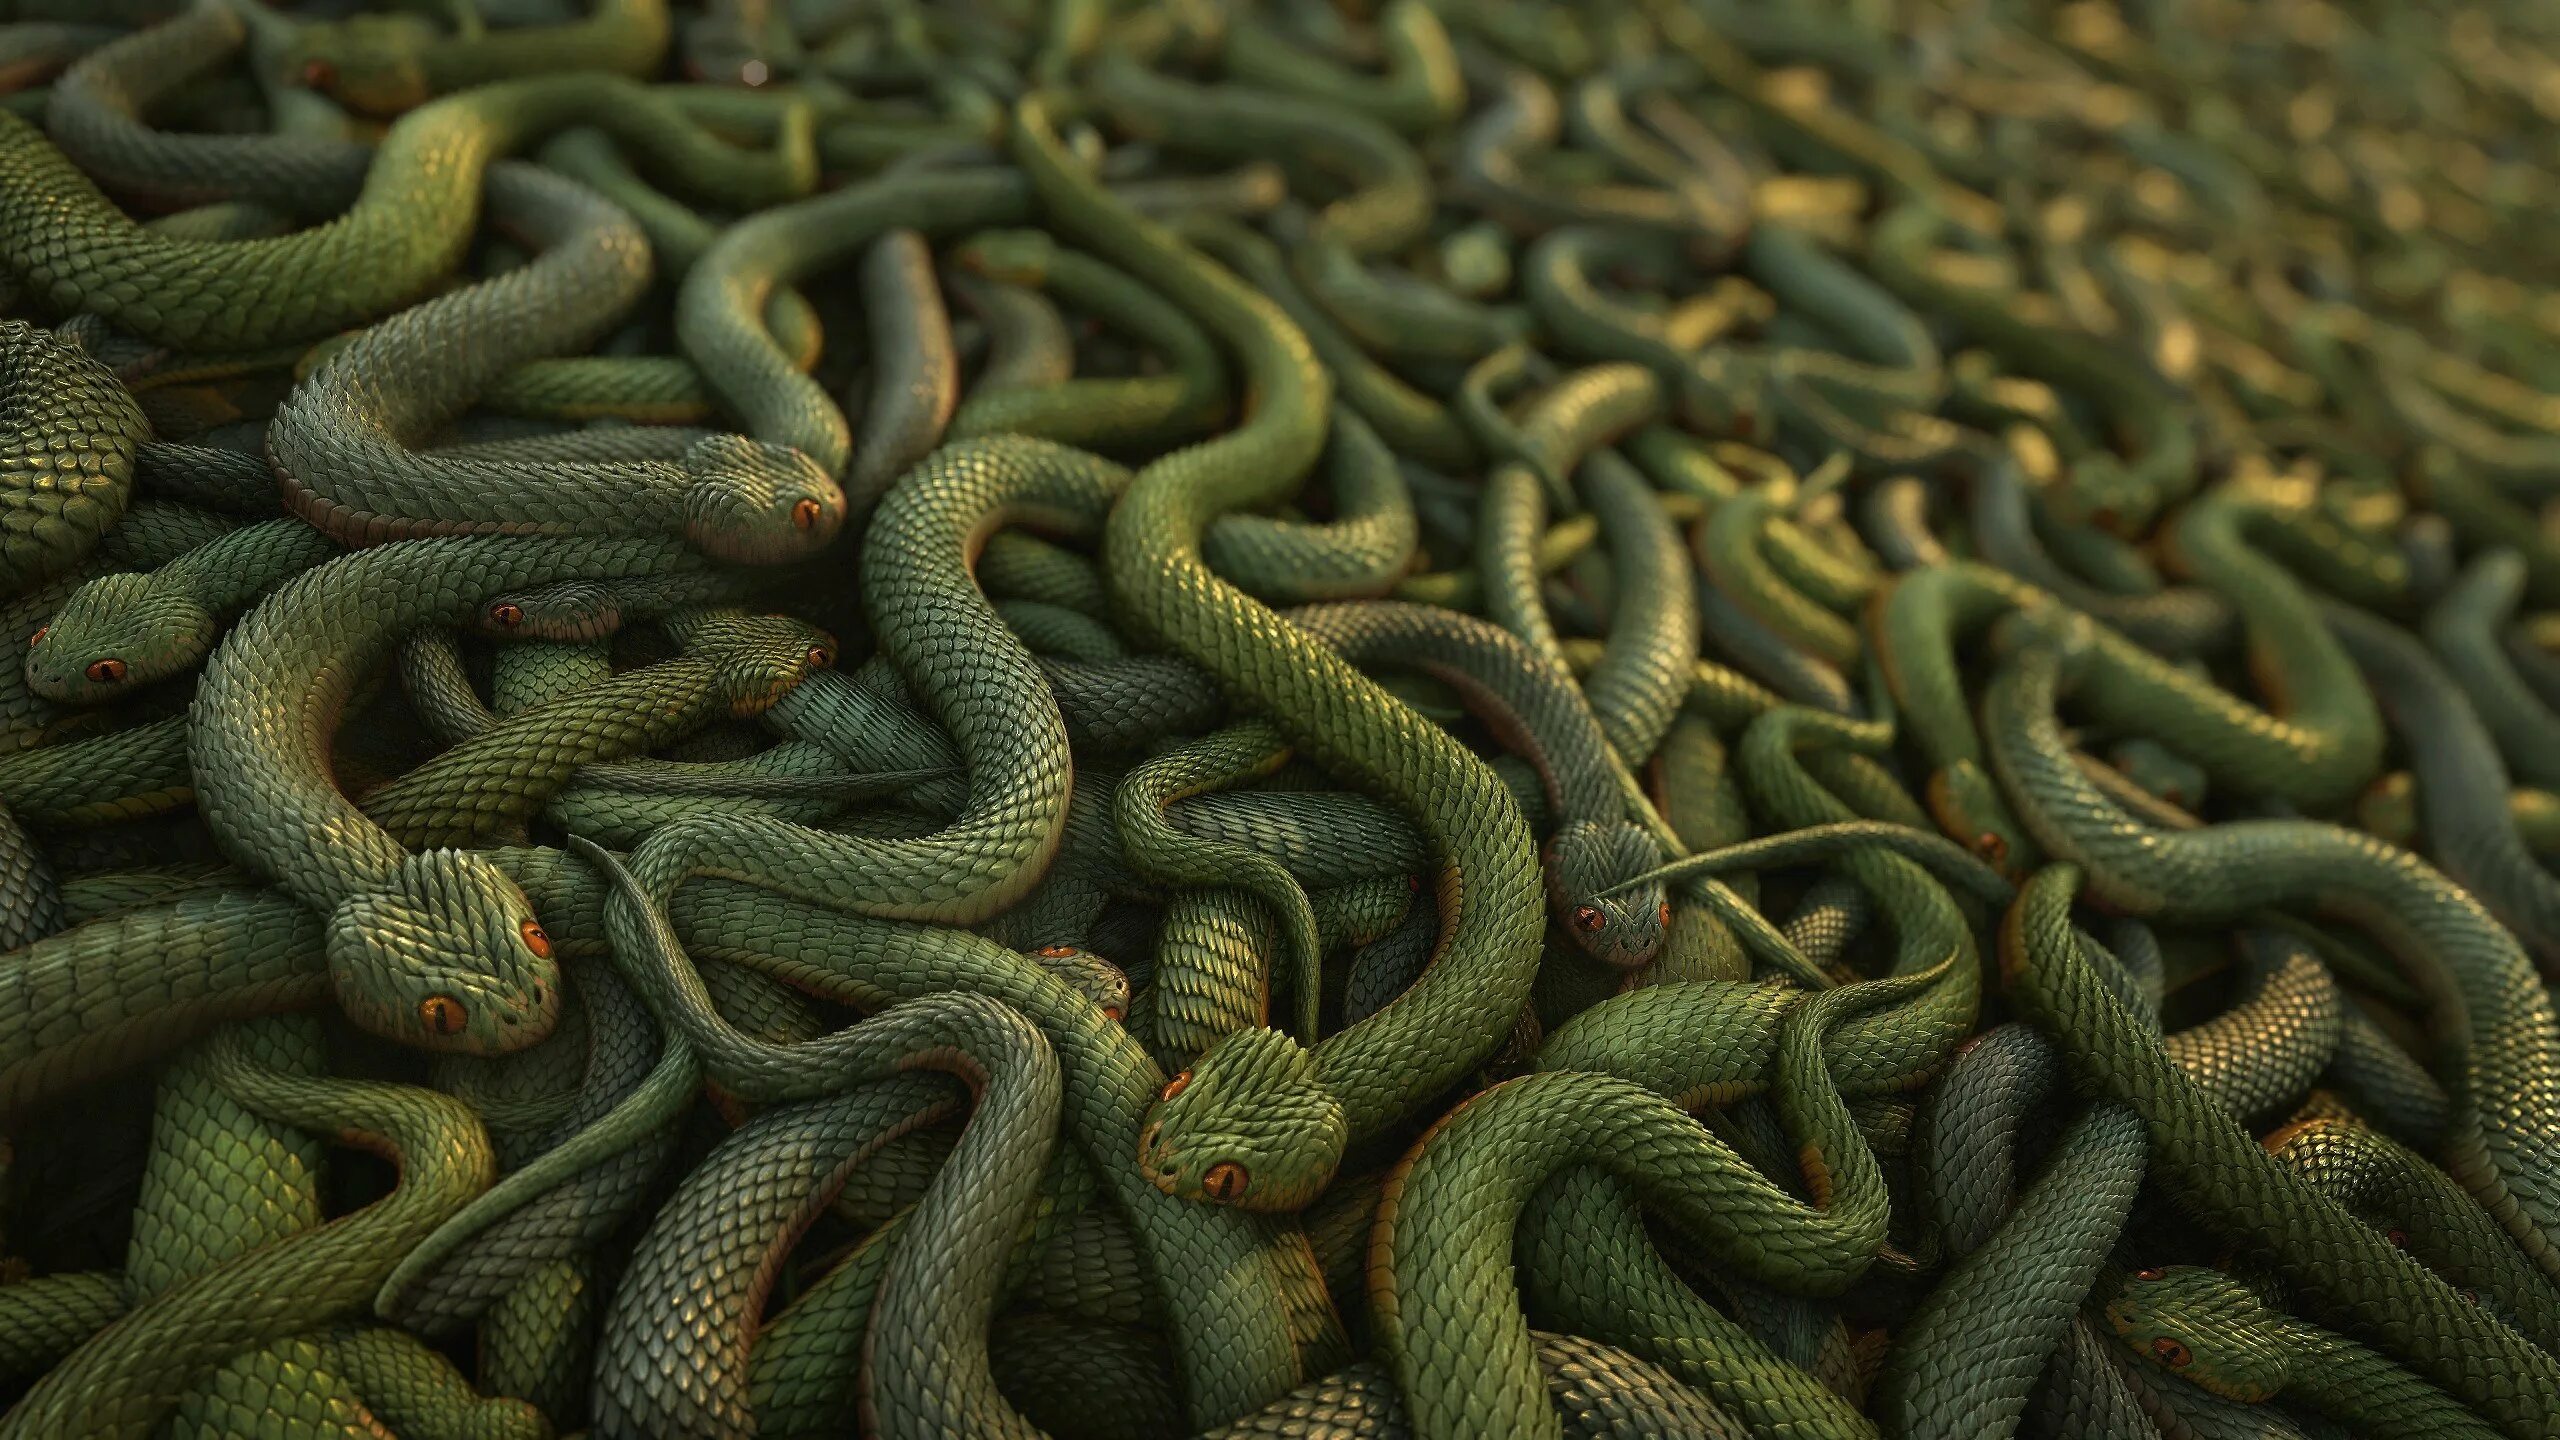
point(1267, 718)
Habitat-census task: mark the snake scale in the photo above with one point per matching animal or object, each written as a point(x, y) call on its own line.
point(1416, 720)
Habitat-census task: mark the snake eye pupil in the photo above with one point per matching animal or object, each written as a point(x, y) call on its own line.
point(2171, 1353)
point(319, 74)
point(105, 672)
point(1223, 1181)
point(1056, 952)
point(442, 1013)
point(819, 659)
point(1175, 1086)
point(1665, 913)
point(804, 515)
point(1991, 847)
point(2148, 1273)
point(1588, 919)
point(2399, 1239)
point(535, 939)
point(507, 614)
point(41, 632)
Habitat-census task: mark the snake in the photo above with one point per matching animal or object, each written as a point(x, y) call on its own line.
point(1256, 1094)
point(2494, 1011)
point(68, 471)
point(2331, 1257)
point(2211, 1331)
point(403, 232)
point(469, 966)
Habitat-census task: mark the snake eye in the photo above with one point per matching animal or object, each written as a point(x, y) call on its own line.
point(2170, 1353)
point(804, 515)
point(318, 74)
point(1056, 952)
point(506, 614)
point(1991, 847)
point(1666, 913)
point(1175, 1086)
point(38, 637)
point(820, 657)
point(442, 1013)
point(105, 672)
point(535, 939)
point(2399, 1239)
point(1223, 1181)
point(1589, 920)
point(2149, 1272)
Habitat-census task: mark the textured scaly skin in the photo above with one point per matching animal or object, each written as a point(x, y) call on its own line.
point(1213, 1267)
point(66, 466)
point(2491, 1017)
point(1441, 1287)
point(491, 784)
point(436, 949)
point(405, 231)
point(2212, 1332)
point(1364, 1078)
point(129, 1379)
point(2345, 1271)
point(347, 444)
point(129, 629)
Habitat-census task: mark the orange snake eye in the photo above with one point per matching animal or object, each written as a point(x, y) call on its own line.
point(820, 658)
point(2171, 1353)
point(506, 614)
point(318, 74)
point(1666, 912)
point(442, 1014)
point(535, 939)
point(1056, 952)
point(41, 632)
point(1175, 1086)
point(804, 515)
point(2399, 1239)
point(105, 672)
point(1991, 847)
point(2149, 1272)
point(1223, 1181)
point(1588, 919)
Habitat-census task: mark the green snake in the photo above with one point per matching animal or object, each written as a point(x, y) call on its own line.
point(1256, 1098)
point(67, 472)
point(467, 966)
point(2211, 1331)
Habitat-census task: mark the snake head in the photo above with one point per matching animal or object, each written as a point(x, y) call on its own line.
point(758, 504)
point(1727, 394)
point(570, 612)
point(2099, 491)
point(115, 634)
point(1966, 803)
point(2206, 1327)
point(1016, 257)
point(1089, 975)
point(1585, 858)
point(2160, 771)
point(1247, 1125)
point(758, 659)
point(369, 63)
point(445, 954)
